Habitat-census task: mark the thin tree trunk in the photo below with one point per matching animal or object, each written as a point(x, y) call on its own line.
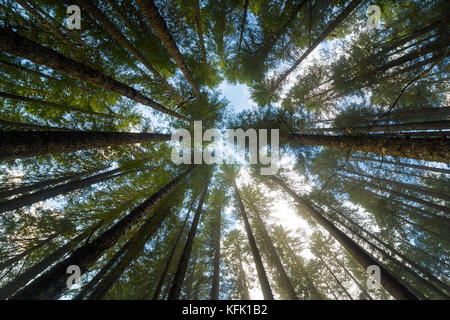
point(175, 290)
point(46, 183)
point(19, 67)
point(334, 277)
point(94, 281)
point(400, 194)
point(41, 195)
point(22, 279)
point(112, 29)
point(285, 282)
point(430, 149)
point(352, 5)
point(198, 22)
point(262, 276)
point(429, 125)
point(391, 284)
point(41, 102)
point(134, 248)
point(23, 144)
point(20, 256)
point(52, 284)
point(401, 185)
point(27, 126)
point(241, 35)
point(171, 255)
point(242, 279)
point(17, 45)
point(406, 165)
point(216, 262)
point(159, 26)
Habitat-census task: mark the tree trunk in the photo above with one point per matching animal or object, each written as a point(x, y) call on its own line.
point(171, 255)
point(23, 144)
point(241, 34)
point(17, 45)
point(391, 284)
point(43, 184)
point(406, 165)
point(401, 185)
point(243, 287)
point(112, 29)
point(262, 276)
point(216, 262)
point(175, 290)
point(285, 282)
point(19, 67)
point(352, 5)
point(134, 248)
point(41, 195)
point(39, 267)
point(159, 26)
point(52, 284)
point(27, 126)
point(58, 106)
point(430, 149)
point(10, 262)
point(94, 281)
point(198, 22)
point(401, 194)
point(429, 125)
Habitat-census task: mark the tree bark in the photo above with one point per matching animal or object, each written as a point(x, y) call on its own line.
point(52, 284)
point(262, 276)
point(430, 149)
point(285, 282)
point(198, 22)
point(159, 26)
point(352, 5)
point(23, 144)
point(401, 194)
point(171, 255)
point(406, 165)
point(216, 262)
point(175, 290)
point(112, 29)
point(17, 45)
point(391, 284)
point(22, 279)
point(41, 195)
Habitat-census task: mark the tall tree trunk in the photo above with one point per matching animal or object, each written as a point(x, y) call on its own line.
point(315, 293)
point(352, 5)
point(46, 183)
point(216, 262)
point(27, 126)
point(405, 165)
point(285, 282)
point(22, 279)
point(241, 34)
point(134, 248)
point(41, 195)
point(163, 276)
point(21, 68)
point(17, 45)
point(430, 149)
point(112, 29)
point(262, 276)
point(10, 262)
point(391, 284)
point(428, 125)
point(159, 26)
point(424, 271)
point(52, 284)
point(400, 194)
point(243, 287)
point(198, 22)
point(401, 185)
point(94, 281)
point(175, 290)
point(54, 105)
point(23, 144)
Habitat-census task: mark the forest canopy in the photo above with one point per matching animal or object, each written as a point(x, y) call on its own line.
point(92, 205)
